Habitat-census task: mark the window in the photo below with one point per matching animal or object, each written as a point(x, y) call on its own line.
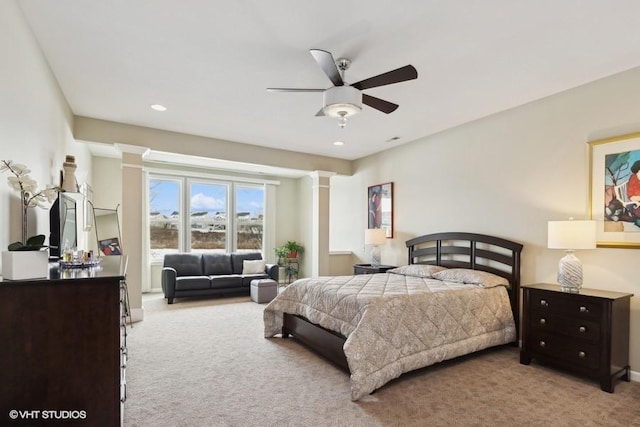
point(221, 216)
point(249, 217)
point(164, 217)
point(208, 207)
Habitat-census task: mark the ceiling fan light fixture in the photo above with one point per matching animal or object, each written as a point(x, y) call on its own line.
point(342, 101)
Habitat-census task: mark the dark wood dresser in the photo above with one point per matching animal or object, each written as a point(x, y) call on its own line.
point(586, 333)
point(370, 269)
point(63, 348)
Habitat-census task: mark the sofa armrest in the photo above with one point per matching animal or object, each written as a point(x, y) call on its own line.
point(272, 270)
point(169, 282)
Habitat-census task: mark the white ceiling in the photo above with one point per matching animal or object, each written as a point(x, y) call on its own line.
point(210, 61)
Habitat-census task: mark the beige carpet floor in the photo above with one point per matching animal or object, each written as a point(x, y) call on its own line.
point(204, 362)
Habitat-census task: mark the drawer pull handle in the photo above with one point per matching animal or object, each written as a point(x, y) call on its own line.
point(582, 329)
point(544, 303)
point(543, 321)
point(543, 344)
point(583, 309)
point(582, 354)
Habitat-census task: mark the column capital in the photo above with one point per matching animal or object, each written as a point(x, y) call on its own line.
point(321, 174)
point(133, 149)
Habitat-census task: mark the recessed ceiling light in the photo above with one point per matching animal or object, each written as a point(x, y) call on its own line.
point(338, 143)
point(158, 107)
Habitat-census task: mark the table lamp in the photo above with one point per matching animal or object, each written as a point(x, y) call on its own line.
point(375, 237)
point(571, 235)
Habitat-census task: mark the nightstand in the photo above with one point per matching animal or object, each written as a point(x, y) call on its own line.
point(586, 333)
point(370, 269)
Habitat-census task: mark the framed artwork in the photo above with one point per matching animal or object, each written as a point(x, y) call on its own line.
point(110, 246)
point(615, 190)
point(380, 207)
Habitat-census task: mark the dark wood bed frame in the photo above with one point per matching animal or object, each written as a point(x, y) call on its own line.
point(452, 250)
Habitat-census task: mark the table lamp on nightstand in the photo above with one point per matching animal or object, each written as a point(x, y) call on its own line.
point(571, 235)
point(375, 237)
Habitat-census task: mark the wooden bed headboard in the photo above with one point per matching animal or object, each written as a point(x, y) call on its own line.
point(474, 251)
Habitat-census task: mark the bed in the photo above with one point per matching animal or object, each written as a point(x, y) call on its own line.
point(458, 294)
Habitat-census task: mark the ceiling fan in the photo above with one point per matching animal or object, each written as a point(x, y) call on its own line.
point(342, 100)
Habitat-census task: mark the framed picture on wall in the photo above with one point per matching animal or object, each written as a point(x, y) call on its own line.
point(615, 190)
point(380, 207)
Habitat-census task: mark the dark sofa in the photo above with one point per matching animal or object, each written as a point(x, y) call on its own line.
point(188, 274)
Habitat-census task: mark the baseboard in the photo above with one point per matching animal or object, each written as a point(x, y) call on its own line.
point(137, 314)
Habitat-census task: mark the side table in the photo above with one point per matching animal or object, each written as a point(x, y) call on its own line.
point(370, 269)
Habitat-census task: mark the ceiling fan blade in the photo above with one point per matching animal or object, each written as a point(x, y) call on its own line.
point(379, 104)
point(402, 74)
point(328, 65)
point(290, 89)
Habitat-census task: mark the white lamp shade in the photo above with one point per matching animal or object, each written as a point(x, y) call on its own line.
point(571, 235)
point(342, 101)
point(375, 236)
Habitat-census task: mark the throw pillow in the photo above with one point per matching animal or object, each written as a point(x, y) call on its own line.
point(253, 266)
point(418, 270)
point(475, 277)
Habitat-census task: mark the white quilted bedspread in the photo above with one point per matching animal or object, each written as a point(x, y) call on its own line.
point(396, 323)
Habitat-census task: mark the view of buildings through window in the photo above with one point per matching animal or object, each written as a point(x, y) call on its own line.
point(221, 216)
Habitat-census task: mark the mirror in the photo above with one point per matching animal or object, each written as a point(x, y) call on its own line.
point(107, 227)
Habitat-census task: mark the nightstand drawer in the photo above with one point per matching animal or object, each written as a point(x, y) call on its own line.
point(575, 352)
point(567, 304)
point(574, 327)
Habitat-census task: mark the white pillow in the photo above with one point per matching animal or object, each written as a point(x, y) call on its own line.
point(475, 277)
point(253, 266)
point(417, 270)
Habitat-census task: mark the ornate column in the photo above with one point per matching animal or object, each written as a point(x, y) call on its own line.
point(132, 221)
point(320, 223)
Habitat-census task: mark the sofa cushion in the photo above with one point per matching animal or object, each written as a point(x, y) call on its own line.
point(217, 264)
point(247, 278)
point(226, 281)
point(184, 283)
point(184, 264)
point(237, 260)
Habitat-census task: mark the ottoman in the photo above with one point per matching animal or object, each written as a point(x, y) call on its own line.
point(263, 290)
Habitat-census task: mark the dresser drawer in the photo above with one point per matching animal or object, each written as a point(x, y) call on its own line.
point(566, 304)
point(574, 327)
point(575, 352)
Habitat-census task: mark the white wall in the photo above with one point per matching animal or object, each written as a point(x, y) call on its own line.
point(506, 175)
point(35, 122)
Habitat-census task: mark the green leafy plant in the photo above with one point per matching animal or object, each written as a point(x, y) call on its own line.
point(294, 248)
point(34, 243)
point(281, 252)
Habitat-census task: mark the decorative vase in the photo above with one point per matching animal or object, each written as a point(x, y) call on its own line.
point(22, 265)
point(69, 182)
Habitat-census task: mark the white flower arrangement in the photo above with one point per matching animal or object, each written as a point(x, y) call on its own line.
point(30, 195)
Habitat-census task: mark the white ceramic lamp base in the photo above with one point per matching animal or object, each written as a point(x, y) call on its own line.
point(570, 273)
point(375, 256)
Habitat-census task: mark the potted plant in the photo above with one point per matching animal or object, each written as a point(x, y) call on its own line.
point(282, 253)
point(25, 259)
point(294, 248)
